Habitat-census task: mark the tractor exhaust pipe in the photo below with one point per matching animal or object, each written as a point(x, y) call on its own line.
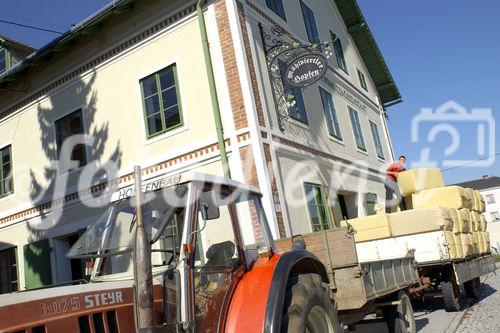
point(143, 276)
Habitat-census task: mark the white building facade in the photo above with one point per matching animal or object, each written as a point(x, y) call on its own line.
point(129, 86)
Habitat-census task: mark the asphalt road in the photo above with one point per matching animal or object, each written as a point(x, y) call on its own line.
point(430, 316)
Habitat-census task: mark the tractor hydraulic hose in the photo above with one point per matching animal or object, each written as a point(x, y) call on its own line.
point(213, 90)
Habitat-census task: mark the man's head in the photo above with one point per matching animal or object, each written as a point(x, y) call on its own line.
point(402, 159)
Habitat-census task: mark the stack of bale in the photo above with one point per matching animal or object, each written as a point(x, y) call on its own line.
point(431, 206)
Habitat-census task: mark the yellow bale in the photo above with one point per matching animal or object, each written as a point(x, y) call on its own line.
point(458, 245)
point(370, 227)
point(450, 242)
point(483, 222)
point(414, 180)
point(475, 242)
point(477, 201)
point(475, 221)
point(467, 247)
point(487, 241)
point(463, 218)
point(481, 244)
point(469, 194)
point(416, 221)
point(449, 196)
point(482, 203)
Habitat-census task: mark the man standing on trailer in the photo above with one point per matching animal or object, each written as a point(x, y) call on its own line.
point(391, 185)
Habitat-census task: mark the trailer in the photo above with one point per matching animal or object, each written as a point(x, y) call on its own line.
point(438, 271)
point(362, 288)
point(449, 275)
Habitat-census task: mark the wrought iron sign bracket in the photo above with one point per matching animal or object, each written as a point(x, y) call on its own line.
point(281, 51)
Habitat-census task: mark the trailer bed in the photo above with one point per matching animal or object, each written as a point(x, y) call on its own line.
point(356, 284)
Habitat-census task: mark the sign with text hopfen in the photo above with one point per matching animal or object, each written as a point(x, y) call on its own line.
point(306, 70)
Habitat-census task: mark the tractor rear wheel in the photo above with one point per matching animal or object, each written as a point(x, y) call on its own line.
point(308, 307)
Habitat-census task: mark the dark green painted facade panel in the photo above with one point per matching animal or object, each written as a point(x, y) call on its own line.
point(37, 264)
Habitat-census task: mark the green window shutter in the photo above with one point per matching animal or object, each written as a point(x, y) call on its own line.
point(339, 51)
point(6, 178)
point(330, 114)
point(310, 23)
point(369, 201)
point(376, 140)
point(37, 264)
point(277, 7)
point(362, 80)
point(356, 128)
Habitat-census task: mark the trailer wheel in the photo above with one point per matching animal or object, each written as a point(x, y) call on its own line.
point(400, 318)
point(473, 288)
point(308, 307)
point(451, 295)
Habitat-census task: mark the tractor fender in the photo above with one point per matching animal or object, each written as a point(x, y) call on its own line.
point(257, 302)
point(292, 262)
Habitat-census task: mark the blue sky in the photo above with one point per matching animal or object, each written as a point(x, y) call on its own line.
point(437, 51)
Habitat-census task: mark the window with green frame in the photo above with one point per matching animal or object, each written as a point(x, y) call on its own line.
point(4, 59)
point(297, 111)
point(6, 178)
point(161, 101)
point(310, 22)
point(339, 51)
point(376, 140)
point(362, 80)
point(277, 7)
point(330, 114)
point(356, 128)
point(8, 271)
point(66, 127)
point(318, 207)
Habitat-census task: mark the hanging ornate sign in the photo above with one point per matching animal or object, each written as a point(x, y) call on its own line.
point(305, 70)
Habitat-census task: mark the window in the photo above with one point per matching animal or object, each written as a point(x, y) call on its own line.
point(6, 178)
point(3, 59)
point(162, 109)
point(330, 114)
point(310, 22)
point(356, 128)
point(339, 51)
point(362, 80)
point(8, 271)
point(490, 198)
point(495, 216)
point(66, 127)
point(376, 140)
point(277, 7)
point(297, 111)
point(317, 206)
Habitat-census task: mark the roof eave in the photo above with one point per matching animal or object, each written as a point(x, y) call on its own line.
point(370, 52)
point(66, 38)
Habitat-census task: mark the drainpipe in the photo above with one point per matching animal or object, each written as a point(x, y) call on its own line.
point(213, 91)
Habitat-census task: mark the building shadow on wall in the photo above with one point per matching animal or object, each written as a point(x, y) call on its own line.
point(54, 188)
